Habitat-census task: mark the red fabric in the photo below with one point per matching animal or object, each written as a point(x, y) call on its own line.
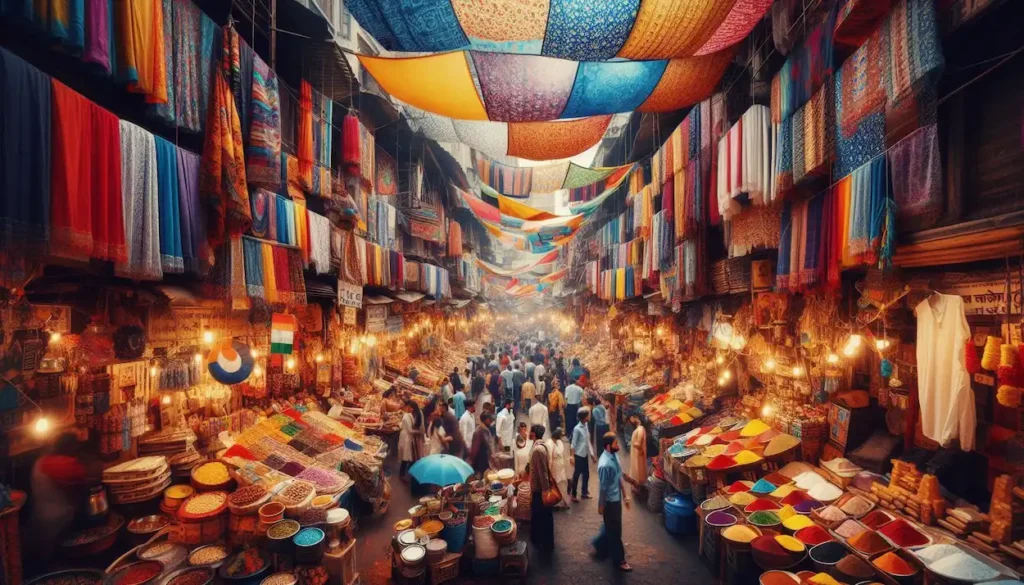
point(86, 212)
point(240, 451)
point(350, 141)
point(305, 136)
point(62, 469)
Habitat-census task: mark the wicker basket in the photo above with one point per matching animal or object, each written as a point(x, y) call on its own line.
point(445, 570)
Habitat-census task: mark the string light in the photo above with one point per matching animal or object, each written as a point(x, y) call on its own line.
point(660, 330)
point(849, 350)
point(721, 381)
point(55, 337)
point(727, 374)
point(319, 358)
point(166, 399)
point(798, 372)
point(255, 353)
point(257, 370)
point(208, 337)
point(832, 358)
point(153, 371)
point(290, 363)
point(719, 359)
point(198, 357)
point(855, 340)
point(42, 425)
point(767, 410)
point(882, 344)
point(769, 364)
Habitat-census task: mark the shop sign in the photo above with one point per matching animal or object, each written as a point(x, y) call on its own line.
point(183, 324)
point(348, 315)
point(655, 309)
point(350, 295)
point(394, 324)
point(376, 317)
point(987, 297)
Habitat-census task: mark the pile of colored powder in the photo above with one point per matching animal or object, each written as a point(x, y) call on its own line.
point(754, 428)
point(807, 480)
point(764, 518)
point(777, 578)
point(720, 518)
point(760, 504)
point(794, 497)
point(714, 451)
point(747, 457)
point(894, 564)
point(785, 512)
point(697, 461)
point(734, 447)
point(768, 545)
point(964, 567)
point(854, 566)
point(868, 542)
point(763, 487)
point(856, 506)
point(789, 543)
point(777, 479)
point(823, 579)
point(875, 519)
point(741, 498)
point(813, 535)
point(715, 503)
point(936, 551)
point(849, 529)
point(796, 522)
point(829, 553)
point(740, 486)
point(721, 462)
point(780, 444)
point(832, 514)
point(807, 505)
point(729, 436)
point(767, 436)
point(824, 492)
point(740, 533)
point(704, 440)
point(902, 533)
point(783, 491)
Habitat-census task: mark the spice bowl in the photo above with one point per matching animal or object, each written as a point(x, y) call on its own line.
point(901, 579)
point(191, 576)
point(778, 578)
point(825, 556)
point(137, 573)
point(247, 567)
point(271, 512)
point(211, 555)
point(282, 578)
point(309, 545)
point(279, 536)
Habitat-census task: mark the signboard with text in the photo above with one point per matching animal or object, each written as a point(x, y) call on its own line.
point(376, 318)
point(350, 295)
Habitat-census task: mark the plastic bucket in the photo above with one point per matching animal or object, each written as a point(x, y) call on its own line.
point(680, 517)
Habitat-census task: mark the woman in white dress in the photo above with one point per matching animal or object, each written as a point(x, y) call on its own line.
point(438, 438)
point(410, 437)
point(638, 454)
point(559, 464)
point(522, 446)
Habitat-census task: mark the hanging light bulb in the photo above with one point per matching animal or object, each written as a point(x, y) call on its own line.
point(319, 358)
point(882, 344)
point(198, 357)
point(727, 374)
point(832, 358)
point(660, 331)
point(257, 370)
point(767, 410)
point(208, 337)
point(42, 425)
point(55, 337)
point(849, 350)
point(737, 342)
point(166, 399)
point(255, 353)
point(855, 340)
point(769, 364)
point(153, 371)
point(290, 363)
point(371, 340)
point(798, 372)
point(721, 381)
point(719, 359)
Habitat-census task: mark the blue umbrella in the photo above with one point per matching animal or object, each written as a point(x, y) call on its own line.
point(441, 470)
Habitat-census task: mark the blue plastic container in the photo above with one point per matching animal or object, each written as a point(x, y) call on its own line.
point(680, 517)
point(455, 536)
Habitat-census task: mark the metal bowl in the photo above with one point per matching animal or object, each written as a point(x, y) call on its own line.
point(117, 576)
point(209, 572)
point(47, 578)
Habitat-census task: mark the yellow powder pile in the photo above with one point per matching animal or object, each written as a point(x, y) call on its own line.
point(739, 533)
point(786, 512)
point(789, 543)
point(741, 499)
point(746, 458)
point(754, 428)
point(782, 491)
point(797, 522)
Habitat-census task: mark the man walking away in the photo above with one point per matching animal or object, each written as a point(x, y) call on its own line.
point(610, 500)
point(506, 427)
point(573, 401)
point(517, 383)
point(581, 450)
point(480, 452)
point(542, 521)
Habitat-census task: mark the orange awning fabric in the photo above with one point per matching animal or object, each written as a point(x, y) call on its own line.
point(687, 81)
point(557, 139)
point(510, 206)
point(529, 265)
point(439, 83)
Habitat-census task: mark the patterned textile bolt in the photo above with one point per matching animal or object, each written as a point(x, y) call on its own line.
point(674, 28)
point(687, 81)
point(264, 148)
point(584, 30)
point(523, 88)
point(410, 25)
point(554, 140)
point(223, 170)
point(745, 14)
point(387, 174)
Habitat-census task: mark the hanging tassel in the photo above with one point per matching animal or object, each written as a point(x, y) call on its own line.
point(886, 368)
point(1008, 396)
point(990, 357)
point(973, 363)
point(888, 247)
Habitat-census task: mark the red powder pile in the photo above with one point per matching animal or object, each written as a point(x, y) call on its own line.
point(777, 479)
point(875, 519)
point(795, 497)
point(868, 542)
point(739, 486)
point(721, 462)
point(777, 578)
point(813, 535)
point(902, 533)
point(760, 505)
point(768, 545)
point(729, 436)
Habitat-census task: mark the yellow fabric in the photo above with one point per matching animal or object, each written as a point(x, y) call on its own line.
point(685, 82)
point(674, 28)
point(620, 284)
point(519, 210)
point(140, 47)
point(441, 83)
point(302, 230)
point(269, 281)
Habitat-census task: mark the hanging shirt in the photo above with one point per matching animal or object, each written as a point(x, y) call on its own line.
point(944, 386)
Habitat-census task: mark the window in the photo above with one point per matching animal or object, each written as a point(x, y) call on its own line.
point(343, 22)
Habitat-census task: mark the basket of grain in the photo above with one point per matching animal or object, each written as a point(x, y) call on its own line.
point(246, 501)
point(296, 497)
point(212, 476)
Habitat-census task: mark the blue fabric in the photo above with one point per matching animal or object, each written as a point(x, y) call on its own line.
point(612, 87)
point(170, 213)
point(585, 30)
point(600, 415)
point(609, 479)
point(580, 440)
point(410, 25)
point(867, 142)
point(785, 241)
point(253, 254)
point(281, 206)
point(460, 403)
point(879, 193)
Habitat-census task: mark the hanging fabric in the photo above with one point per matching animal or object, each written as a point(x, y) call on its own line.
point(263, 151)
point(171, 258)
point(141, 199)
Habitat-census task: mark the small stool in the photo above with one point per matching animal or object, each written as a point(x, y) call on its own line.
point(515, 560)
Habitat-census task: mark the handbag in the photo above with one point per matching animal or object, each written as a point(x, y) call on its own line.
point(551, 496)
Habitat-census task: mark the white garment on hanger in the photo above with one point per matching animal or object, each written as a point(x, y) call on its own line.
point(944, 386)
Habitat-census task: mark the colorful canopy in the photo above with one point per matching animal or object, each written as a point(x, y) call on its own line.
point(523, 268)
point(531, 88)
point(525, 181)
point(580, 30)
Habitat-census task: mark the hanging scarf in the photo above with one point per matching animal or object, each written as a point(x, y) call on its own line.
point(141, 201)
point(141, 52)
point(319, 242)
point(269, 274)
point(261, 201)
point(171, 257)
point(253, 254)
point(193, 227)
point(223, 170)
point(263, 152)
point(305, 133)
point(350, 141)
point(302, 231)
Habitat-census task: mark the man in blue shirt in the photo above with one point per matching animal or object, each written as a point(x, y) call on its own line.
point(506, 383)
point(518, 377)
point(459, 402)
point(610, 500)
point(582, 450)
point(600, 416)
